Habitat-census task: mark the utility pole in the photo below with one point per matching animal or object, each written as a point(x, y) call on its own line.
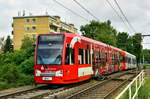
point(142, 49)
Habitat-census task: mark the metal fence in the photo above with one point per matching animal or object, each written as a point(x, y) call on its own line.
point(147, 72)
point(137, 82)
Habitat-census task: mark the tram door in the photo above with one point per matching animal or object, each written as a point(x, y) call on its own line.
point(70, 67)
point(97, 63)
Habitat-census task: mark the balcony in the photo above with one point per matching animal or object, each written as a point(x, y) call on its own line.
point(54, 23)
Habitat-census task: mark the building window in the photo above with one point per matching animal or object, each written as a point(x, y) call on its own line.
point(27, 20)
point(12, 32)
point(33, 28)
point(27, 28)
point(33, 20)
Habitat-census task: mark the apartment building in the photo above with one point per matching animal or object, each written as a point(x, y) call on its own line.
point(33, 25)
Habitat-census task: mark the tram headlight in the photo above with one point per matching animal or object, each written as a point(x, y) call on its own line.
point(37, 73)
point(59, 73)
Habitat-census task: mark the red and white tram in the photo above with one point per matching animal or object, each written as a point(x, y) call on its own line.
point(63, 58)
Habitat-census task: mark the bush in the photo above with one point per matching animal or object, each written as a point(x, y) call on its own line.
point(27, 42)
point(16, 68)
point(16, 57)
point(25, 80)
point(19, 56)
point(14, 76)
point(10, 73)
point(4, 85)
point(27, 66)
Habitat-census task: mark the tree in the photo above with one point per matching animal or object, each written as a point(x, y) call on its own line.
point(130, 45)
point(27, 66)
point(146, 53)
point(8, 45)
point(27, 43)
point(122, 40)
point(100, 31)
point(137, 46)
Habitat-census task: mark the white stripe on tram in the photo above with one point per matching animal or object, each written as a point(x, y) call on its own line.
point(83, 71)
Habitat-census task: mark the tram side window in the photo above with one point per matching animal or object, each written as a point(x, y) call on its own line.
point(106, 57)
point(121, 58)
point(118, 59)
point(69, 59)
point(81, 56)
point(101, 57)
point(87, 57)
point(96, 58)
point(72, 56)
point(113, 59)
point(127, 60)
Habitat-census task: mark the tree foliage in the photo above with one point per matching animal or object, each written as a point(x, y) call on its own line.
point(27, 66)
point(16, 67)
point(100, 31)
point(27, 42)
point(104, 32)
point(122, 40)
point(137, 46)
point(8, 45)
point(146, 53)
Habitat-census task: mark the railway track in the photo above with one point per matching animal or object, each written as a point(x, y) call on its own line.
point(83, 90)
point(103, 90)
point(38, 92)
point(19, 93)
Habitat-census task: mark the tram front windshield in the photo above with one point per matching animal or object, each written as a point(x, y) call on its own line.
point(49, 50)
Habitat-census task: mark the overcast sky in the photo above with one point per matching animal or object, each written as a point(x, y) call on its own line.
point(137, 12)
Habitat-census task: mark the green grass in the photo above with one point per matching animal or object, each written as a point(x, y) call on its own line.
point(144, 92)
point(126, 94)
point(146, 64)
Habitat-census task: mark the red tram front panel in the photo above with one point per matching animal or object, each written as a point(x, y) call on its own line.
point(56, 60)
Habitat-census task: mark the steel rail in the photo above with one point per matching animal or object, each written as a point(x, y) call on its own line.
point(118, 87)
point(12, 94)
point(85, 91)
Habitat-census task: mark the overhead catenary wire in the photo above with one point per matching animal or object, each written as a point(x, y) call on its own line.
point(131, 43)
point(117, 14)
point(95, 16)
point(71, 10)
point(124, 16)
point(78, 3)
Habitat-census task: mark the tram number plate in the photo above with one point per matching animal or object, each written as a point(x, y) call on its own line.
point(47, 78)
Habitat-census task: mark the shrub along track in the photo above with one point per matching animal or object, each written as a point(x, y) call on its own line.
point(89, 87)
